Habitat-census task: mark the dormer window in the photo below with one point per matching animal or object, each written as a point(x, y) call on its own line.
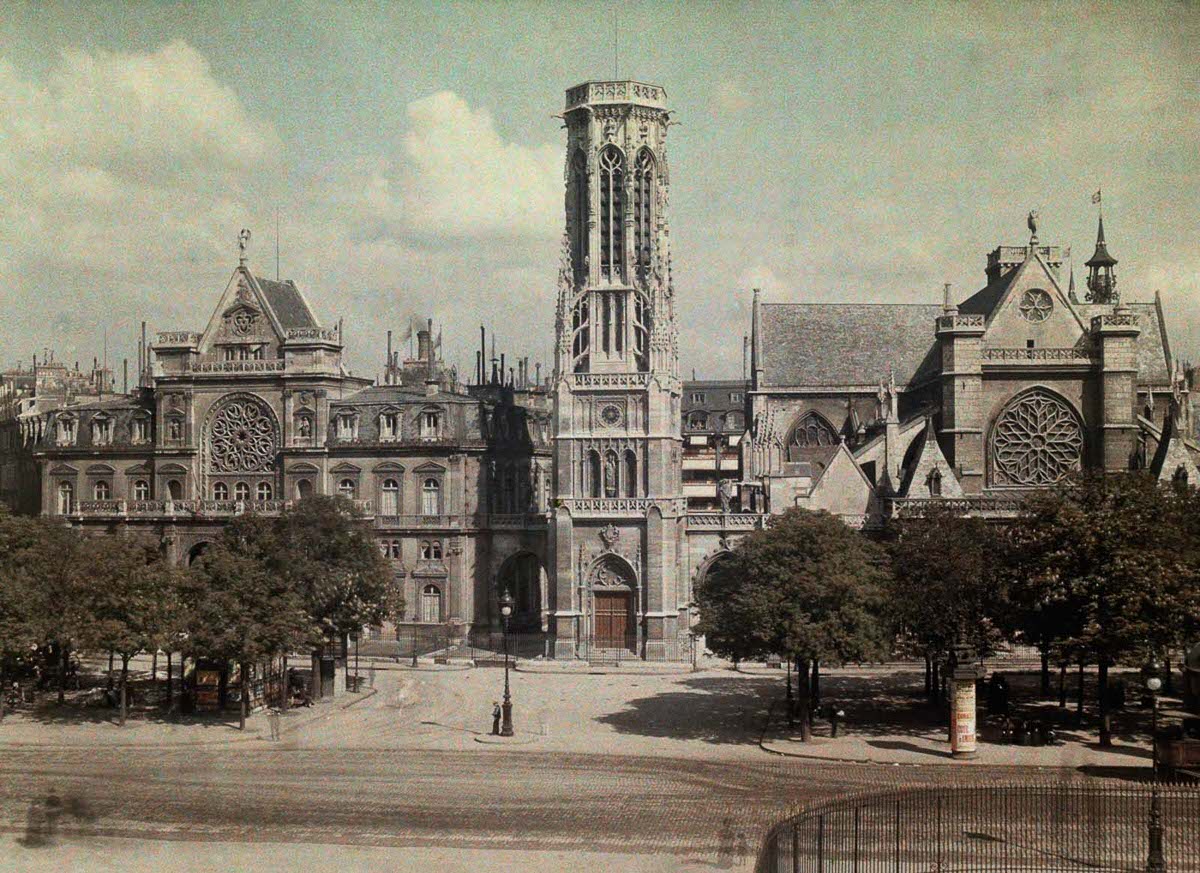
point(389, 426)
point(102, 430)
point(66, 431)
point(347, 426)
point(430, 423)
point(140, 431)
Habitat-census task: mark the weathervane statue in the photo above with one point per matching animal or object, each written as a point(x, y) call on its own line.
point(243, 240)
point(1032, 221)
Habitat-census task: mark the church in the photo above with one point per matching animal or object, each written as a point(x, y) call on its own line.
point(600, 496)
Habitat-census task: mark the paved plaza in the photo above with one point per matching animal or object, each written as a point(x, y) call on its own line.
point(620, 771)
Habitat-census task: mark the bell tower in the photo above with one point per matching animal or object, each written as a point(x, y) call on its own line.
point(619, 517)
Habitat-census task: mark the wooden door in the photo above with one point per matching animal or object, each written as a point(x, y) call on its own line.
point(614, 624)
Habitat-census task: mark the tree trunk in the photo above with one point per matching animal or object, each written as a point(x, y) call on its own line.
point(1062, 686)
point(1079, 702)
point(791, 706)
point(805, 701)
point(928, 676)
point(3, 688)
point(245, 702)
point(124, 683)
point(154, 669)
point(816, 687)
point(1168, 688)
point(936, 683)
point(1102, 700)
point(1045, 673)
point(283, 704)
point(111, 681)
point(170, 686)
point(64, 660)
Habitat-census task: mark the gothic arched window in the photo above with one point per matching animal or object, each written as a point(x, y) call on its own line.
point(580, 216)
point(630, 473)
point(811, 431)
point(594, 478)
point(612, 198)
point(1036, 440)
point(934, 483)
point(643, 198)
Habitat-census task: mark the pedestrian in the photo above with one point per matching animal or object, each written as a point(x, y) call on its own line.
point(495, 718)
point(273, 722)
point(371, 674)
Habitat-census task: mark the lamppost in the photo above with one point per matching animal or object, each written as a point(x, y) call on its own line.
point(506, 727)
point(1155, 861)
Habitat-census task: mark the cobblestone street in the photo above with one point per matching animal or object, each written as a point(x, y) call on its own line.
point(627, 772)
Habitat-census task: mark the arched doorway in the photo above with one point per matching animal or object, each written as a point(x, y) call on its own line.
point(521, 577)
point(614, 613)
point(196, 551)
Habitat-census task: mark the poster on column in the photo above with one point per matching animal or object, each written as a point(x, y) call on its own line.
point(962, 719)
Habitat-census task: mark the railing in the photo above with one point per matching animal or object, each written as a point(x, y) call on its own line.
point(190, 508)
point(581, 506)
point(516, 520)
point(594, 92)
point(267, 366)
point(178, 338)
point(420, 521)
point(724, 520)
point(1070, 355)
point(990, 827)
point(949, 322)
point(327, 334)
point(999, 507)
point(611, 380)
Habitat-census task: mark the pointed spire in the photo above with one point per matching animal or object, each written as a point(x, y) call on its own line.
point(1102, 279)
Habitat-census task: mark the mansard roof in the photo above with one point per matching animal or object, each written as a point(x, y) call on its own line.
point(819, 344)
point(287, 303)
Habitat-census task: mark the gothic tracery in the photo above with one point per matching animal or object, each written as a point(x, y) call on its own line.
point(242, 436)
point(1037, 440)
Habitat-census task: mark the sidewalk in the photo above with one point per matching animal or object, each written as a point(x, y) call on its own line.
point(74, 728)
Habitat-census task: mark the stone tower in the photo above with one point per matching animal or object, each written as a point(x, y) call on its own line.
point(619, 518)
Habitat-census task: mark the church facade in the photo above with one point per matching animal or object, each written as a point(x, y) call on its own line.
point(602, 495)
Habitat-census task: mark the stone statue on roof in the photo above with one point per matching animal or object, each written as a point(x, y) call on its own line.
point(1031, 222)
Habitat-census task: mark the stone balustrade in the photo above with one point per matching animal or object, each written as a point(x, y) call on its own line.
point(1075, 355)
point(132, 509)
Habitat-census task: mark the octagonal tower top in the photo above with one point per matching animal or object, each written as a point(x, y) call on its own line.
point(593, 93)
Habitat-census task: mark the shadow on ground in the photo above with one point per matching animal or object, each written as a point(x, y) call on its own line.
point(716, 709)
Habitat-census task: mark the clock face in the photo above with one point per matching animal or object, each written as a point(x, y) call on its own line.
point(611, 415)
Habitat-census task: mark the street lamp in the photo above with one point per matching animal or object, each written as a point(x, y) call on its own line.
point(1155, 861)
point(506, 608)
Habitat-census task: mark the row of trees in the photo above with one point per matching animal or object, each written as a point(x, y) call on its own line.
point(265, 588)
point(1102, 570)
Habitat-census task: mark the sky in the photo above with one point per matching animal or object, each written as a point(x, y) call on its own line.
point(825, 153)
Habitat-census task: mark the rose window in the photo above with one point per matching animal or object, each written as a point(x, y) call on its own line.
point(1036, 305)
point(1036, 441)
point(242, 437)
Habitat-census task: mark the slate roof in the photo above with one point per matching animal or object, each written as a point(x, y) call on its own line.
point(288, 304)
point(816, 344)
point(983, 301)
point(398, 394)
point(1152, 354)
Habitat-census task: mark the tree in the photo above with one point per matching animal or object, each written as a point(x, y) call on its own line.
point(943, 591)
point(18, 626)
point(127, 598)
point(1110, 555)
point(237, 609)
point(807, 587)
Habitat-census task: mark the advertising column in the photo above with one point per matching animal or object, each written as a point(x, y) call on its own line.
point(962, 706)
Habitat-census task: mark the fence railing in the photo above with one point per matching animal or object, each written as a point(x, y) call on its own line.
point(449, 643)
point(988, 827)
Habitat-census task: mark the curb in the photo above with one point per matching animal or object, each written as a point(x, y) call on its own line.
point(238, 736)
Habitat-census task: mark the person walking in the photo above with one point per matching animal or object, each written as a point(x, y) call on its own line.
point(273, 722)
point(495, 718)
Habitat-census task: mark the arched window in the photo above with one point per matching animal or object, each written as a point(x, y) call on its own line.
point(220, 491)
point(389, 497)
point(612, 196)
point(303, 489)
point(347, 488)
point(810, 431)
point(643, 198)
point(241, 491)
point(431, 497)
point(141, 490)
point(431, 604)
point(579, 253)
point(631, 483)
point(102, 490)
point(1180, 477)
point(175, 489)
point(594, 477)
point(935, 483)
point(66, 498)
point(426, 554)
point(508, 486)
point(581, 335)
point(264, 491)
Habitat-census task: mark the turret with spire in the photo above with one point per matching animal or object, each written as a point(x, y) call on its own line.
point(1102, 278)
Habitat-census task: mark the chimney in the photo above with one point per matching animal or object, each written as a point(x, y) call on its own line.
point(424, 345)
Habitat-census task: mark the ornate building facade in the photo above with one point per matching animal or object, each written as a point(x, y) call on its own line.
point(602, 497)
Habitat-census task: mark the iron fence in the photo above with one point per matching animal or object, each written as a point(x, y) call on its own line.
point(445, 642)
point(1062, 827)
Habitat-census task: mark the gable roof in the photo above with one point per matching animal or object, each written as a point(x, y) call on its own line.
point(817, 344)
point(1153, 354)
point(288, 304)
